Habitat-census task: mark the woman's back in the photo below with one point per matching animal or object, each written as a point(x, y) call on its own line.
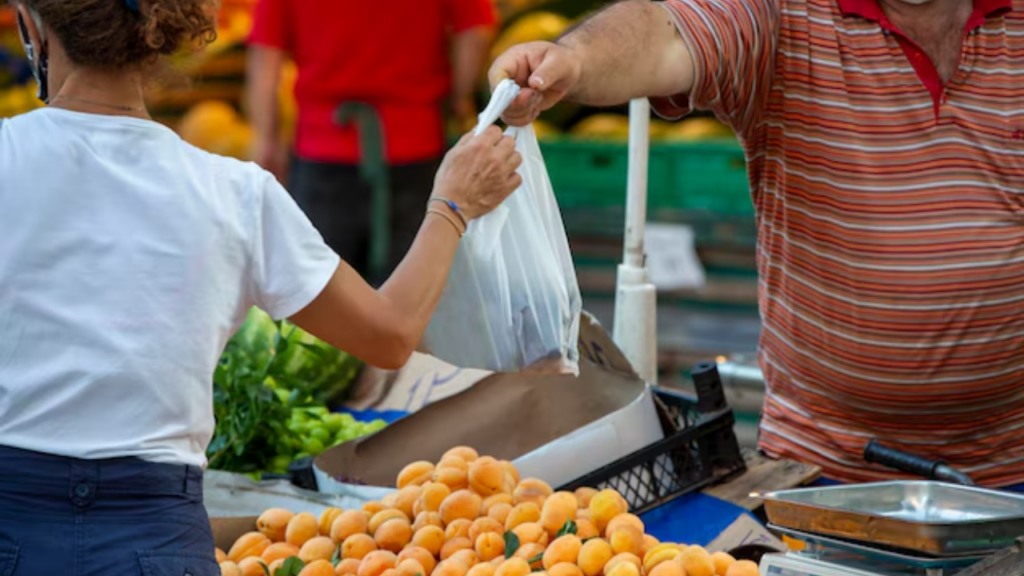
point(127, 259)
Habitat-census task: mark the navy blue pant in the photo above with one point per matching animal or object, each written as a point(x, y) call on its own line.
point(101, 517)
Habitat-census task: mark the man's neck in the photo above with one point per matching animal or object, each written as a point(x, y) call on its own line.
point(934, 10)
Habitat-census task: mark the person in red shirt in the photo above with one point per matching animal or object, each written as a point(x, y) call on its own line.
point(408, 60)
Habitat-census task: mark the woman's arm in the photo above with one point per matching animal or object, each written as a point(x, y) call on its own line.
point(383, 327)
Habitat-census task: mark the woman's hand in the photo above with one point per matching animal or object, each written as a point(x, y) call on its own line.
point(479, 172)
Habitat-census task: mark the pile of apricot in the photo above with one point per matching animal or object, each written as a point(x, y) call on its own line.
point(470, 515)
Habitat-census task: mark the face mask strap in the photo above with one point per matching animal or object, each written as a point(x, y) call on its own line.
point(39, 60)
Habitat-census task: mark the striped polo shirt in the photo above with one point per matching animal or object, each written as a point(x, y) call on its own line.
point(890, 212)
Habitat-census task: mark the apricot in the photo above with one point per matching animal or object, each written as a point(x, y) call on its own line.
point(490, 501)
point(604, 506)
point(531, 532)
point(450, 568)
point(512, 471)
point(742, 568)
point(316, 568)
point(389, 500)
point(347, 524)
point(649, 542)
point(530, 551)
point(458, 528)
point(393, 535)
point(723, 561)
point(327, 520)
point(373, 507)
point(392, 572)
point(301, 529)
point(275, 565)
point(583, 496)
point(461, 504)
point(626, 539)
point(482, 569)
point(659, 554)
point(248, 545)
point(421, 555)
point(559, 508)
point(432, 495)
point(410, 567)
point(697, 562)
point(513, 567)
point(467, 557)
point(347, 567)
point(623, 569)
point(220, 555)
point(667, 569)
point(454, 545)
point(585, 529)
point(564, 549)
point(483, 525)
point(487, 476)
point(251, 566)
point(454, 478)
point(593, 556)
point(625, 558)
point(489, 546)
point(383, 516)
point(415, 474)
point(429, 537)
point(319, 548)
point(229, 568)
point(521, 514)
point(376, 562)
point(465, 452)
point(625, 519)
point(500, 512)
point(407, 497)
point(565, 569)
point(273, 522)
point(279, 551)
point(358, 546)
point(532, 490)
point(427, 519)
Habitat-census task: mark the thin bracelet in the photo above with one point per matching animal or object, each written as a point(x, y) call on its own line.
point(454, 208)
point(449, 219)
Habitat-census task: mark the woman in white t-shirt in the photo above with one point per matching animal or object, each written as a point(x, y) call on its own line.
point(127, 260)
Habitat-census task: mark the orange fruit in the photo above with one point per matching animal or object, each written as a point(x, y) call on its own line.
point(301, 529)
point(742, 568)
point(229, 568)
point(453, 478)
point(220, 555)
point(279, 551)
point(697, 562)
point(623, 569)
point(427, 519)
point(491, 501)
point(667, 569)
point(500, 512)
point(461, 504)
point(593, 556)
point(393, 535)
point(458, 528)
point(373, 507)
point(489, 546)
point(357, 546)
point(273, 522)
point(530, 551)
point(532, 490)
point(415, 474)
point(565, 569)
point(421, 555)
point(531, 532)
point(723, 561)
point(585, 529)
point(626, 558)
point(564, 549)
point(626, 539)
point(487, 476)
point(467, 557)
point(521, 514)
point(648, 543)
point(248, 545)
point(407, 497)
point(465, 452)
point(513, 567)
point(410, 568)
point(559, 508)
point(327, 519)
point(251, 566)
point(484, 525)
point(625, 519)
point(319, 548)
point(583, 496)
point(482, 569)
point(432, 495)
point(606, 505)
point(450, 568)
point(429, 537)
point(347, 567)
point(347, 524)
point(383, 516)
point(316, 568)
point(376, 562)
point(454, 545)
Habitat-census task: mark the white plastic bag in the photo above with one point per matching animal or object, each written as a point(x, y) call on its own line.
point(512, 302)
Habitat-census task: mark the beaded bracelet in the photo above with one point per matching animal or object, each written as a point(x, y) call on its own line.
point(454, 208)
point(451, 220)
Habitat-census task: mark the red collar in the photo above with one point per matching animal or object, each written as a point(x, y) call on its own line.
point(871, 10)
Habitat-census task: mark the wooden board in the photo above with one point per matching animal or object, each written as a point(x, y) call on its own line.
point(763, 475)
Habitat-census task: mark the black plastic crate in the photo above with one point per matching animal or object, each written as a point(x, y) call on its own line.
point(699, 449)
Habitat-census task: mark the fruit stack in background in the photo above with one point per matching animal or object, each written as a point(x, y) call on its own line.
point(469, 515)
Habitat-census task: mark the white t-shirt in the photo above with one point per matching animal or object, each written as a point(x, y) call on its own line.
point(127, 260)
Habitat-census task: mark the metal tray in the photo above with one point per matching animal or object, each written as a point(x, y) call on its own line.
point(925, 517)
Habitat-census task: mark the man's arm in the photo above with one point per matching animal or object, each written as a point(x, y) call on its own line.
point(469, 49)
point(629, 50)
point(263, 78)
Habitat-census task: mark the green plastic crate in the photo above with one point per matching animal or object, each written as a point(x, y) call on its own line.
point(708, 179)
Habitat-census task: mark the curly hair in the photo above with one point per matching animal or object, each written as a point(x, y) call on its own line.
point(109, 34)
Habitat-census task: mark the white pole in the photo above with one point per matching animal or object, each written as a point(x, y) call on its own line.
point(635, 330)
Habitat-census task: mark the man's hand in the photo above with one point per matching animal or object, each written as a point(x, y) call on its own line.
point(547, 72)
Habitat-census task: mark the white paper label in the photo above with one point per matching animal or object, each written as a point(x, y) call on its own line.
point(672, 261)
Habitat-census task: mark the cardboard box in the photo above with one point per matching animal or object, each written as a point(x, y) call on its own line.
point(557, 428)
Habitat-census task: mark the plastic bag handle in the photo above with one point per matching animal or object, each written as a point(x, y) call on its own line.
point(504, 93)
